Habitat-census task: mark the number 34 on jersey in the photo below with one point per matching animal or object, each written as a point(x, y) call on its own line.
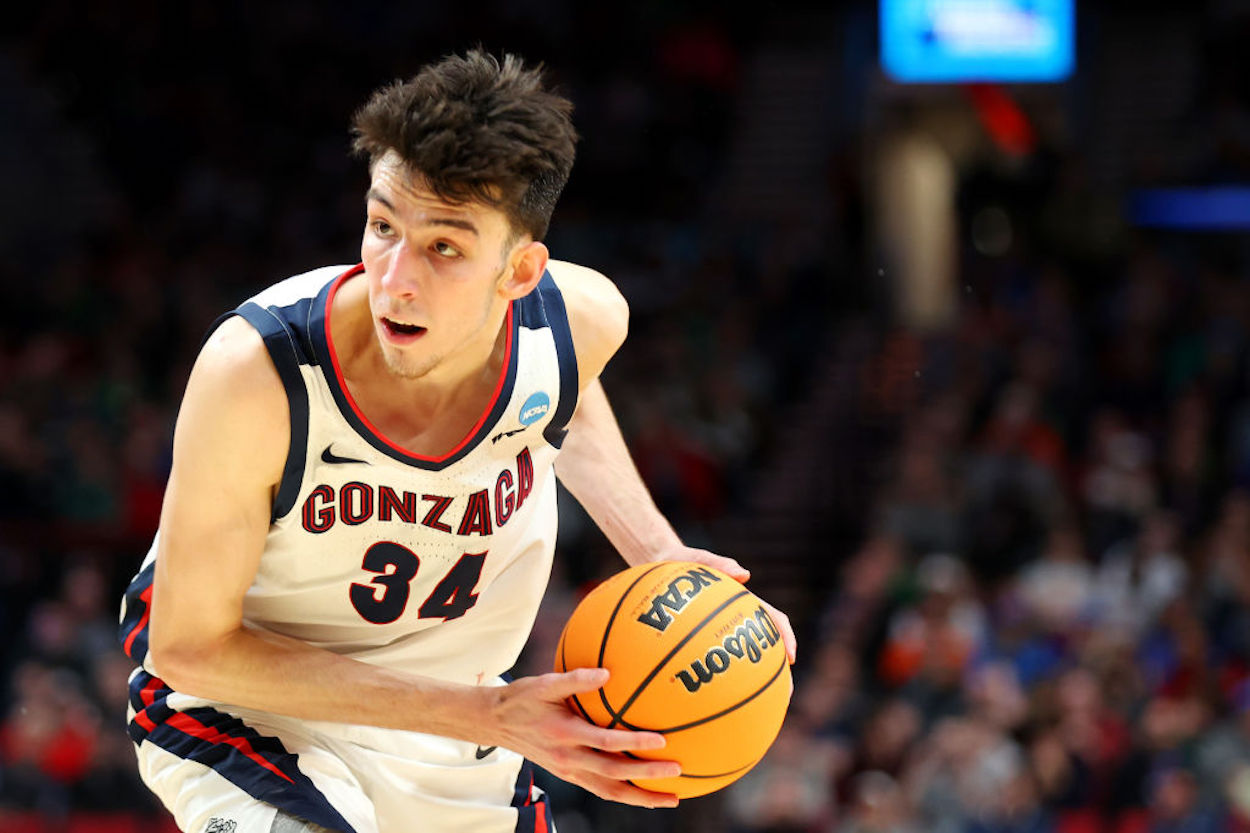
point(394, 566)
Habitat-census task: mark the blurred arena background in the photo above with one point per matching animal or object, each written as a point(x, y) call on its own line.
point(960, 371)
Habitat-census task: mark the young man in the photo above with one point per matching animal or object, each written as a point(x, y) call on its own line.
point(359, 523)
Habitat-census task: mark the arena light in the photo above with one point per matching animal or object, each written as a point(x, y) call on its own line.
point(935, 41)
point(1202, 208)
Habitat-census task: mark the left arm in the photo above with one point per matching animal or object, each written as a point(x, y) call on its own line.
point(595, 464)
point(596, 467)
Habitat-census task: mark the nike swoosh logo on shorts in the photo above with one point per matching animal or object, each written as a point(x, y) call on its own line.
point(329, 456)
point(482, 753)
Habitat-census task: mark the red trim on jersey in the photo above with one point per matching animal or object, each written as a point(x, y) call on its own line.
point(146, 722)
point(185, 723)
point(540, 818)
point(148, 693)
point(146, 598)
point(347, 394)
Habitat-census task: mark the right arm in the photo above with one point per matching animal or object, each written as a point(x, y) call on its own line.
point(230, 447)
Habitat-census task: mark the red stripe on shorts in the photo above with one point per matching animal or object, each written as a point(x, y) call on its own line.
point(185, 723)
point(146, 598)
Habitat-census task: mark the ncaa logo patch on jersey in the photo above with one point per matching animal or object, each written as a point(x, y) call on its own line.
point(535, 408)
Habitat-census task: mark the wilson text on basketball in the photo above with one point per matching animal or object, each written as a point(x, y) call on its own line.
point(748, 641)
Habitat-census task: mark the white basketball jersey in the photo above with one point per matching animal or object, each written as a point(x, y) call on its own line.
point(430, 565)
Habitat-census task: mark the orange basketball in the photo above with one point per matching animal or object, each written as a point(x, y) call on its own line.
point(694, 656)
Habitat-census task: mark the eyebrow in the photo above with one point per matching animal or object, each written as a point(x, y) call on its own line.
point(454, 222)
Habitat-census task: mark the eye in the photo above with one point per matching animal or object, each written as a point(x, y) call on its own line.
point(380, 227)
point(446, 249)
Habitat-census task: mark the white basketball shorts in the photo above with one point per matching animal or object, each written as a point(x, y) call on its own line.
point(230, 771)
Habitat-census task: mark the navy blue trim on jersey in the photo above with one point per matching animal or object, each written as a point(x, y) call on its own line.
point(544, 307)
point(257, 764)
point(321, 348)
point(283, 345)
point(532, 816)
point(132, 632)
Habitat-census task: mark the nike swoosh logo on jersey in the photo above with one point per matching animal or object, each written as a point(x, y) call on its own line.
point(503, 434)
point(329, 456)
point(482, 753)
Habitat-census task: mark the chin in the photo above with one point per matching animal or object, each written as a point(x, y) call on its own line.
point(406, 367)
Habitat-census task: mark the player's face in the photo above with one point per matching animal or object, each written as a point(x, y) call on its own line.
point(435, 271)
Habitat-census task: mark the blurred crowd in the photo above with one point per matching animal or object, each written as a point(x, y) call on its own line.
point(1042, 623)
point(1046, 625)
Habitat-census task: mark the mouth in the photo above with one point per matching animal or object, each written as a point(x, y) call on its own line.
point(400, 331)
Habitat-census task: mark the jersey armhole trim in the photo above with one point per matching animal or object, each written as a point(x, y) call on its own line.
point(558, 321)
point(285, 356)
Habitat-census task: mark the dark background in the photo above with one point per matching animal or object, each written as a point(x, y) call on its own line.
point(1015, 540)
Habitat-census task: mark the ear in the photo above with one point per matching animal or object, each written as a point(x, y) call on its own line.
point(527, 264)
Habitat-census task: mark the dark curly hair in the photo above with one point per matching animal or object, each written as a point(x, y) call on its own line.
point(477, 130)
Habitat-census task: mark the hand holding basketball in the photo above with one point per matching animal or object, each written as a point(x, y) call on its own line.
point(741, 574)
point(694, 656)
point(536, 722)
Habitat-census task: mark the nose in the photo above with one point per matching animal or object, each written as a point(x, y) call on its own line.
point(400, 277)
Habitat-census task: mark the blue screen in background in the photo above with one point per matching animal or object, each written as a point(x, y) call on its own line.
point(977, 40)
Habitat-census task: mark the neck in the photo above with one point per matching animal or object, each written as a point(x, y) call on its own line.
point(466, 377)
point(474, 369)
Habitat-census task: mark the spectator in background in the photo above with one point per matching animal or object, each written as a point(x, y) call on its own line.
point(884, 744)
point(1018, 809)
point(878, 806)
point(1014, 478)
point(831, 702)
point(1225, 586)
point(1062, 777)
point(959, 772)
point(1096, 737)
point(1117, 483)
point(1140, 575)
point(992, 691)
point(932, 641)
point(1221, 758)
point(869, 578)
point(1237, 792)
point(1175, 806)
point(922, 508)
point(1057, 589)
point(1187, 463)
point(788, 791)
point(47, 739)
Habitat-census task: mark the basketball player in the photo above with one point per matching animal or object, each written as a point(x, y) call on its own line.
point(360, 518)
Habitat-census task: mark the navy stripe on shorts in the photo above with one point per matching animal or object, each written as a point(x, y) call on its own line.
point(257, 764)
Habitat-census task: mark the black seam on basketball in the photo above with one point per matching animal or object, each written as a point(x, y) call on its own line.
point(616, 717)
point(721, 774)
point(698, 776)
point(718, 715)
point(582, 709)
point(607, 629)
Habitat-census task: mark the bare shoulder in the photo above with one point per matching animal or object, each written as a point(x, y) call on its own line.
point(235, 403)
point(598, 315)
point(234, 356)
